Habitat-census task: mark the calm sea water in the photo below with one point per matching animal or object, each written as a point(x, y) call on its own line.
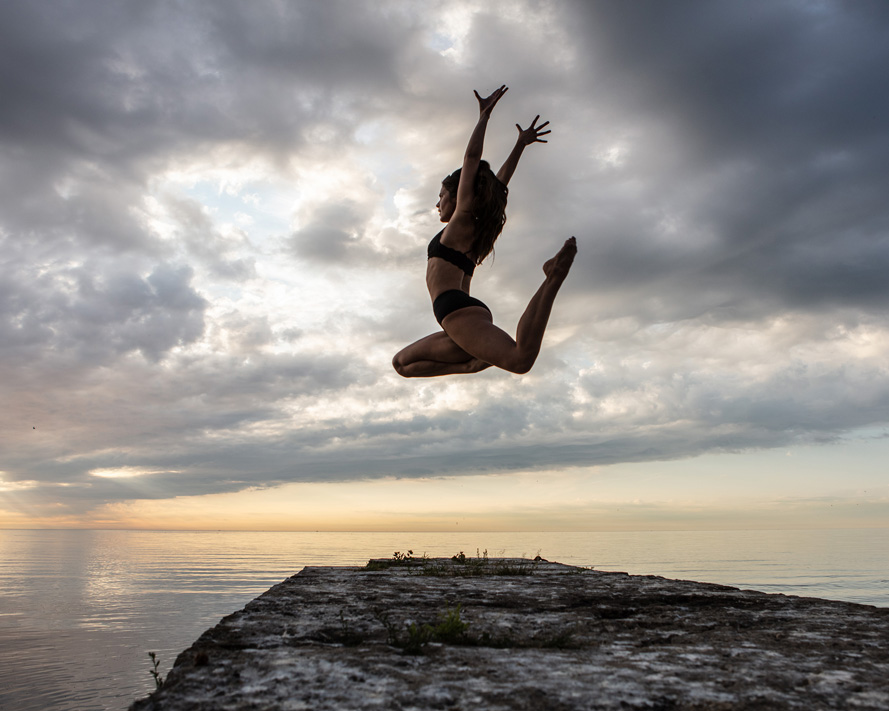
point(80, 610)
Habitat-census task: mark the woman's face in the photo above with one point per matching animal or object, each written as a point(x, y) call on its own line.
point(445, 205)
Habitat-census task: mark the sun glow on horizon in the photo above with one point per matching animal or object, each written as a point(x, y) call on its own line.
point(743, 491)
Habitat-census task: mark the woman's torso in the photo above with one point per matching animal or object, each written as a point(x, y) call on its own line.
point(443, 275)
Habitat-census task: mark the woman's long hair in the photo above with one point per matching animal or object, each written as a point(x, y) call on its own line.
point(488, 207)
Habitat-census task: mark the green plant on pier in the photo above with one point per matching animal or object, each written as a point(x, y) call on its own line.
point(418, 636)
point(158, 679)
point(451, 629)
point(459, 566)
point(398, 559)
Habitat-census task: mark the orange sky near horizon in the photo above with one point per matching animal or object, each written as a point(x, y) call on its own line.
point(634, 496)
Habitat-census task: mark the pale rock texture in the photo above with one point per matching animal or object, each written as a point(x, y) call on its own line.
point(520, 634)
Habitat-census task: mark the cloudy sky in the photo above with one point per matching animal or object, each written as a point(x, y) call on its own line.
point(214, 215)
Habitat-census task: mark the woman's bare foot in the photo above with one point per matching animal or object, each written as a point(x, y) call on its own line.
point(557, 268)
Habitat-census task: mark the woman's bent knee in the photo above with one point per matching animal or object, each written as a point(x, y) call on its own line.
point(521, 364)
point(399, 366)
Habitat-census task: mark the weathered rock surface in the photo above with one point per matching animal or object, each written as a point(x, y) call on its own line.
point(515, 634)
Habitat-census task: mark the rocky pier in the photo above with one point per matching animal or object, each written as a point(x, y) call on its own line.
point(478, 633)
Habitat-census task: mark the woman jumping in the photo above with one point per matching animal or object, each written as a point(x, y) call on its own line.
point(472, 203)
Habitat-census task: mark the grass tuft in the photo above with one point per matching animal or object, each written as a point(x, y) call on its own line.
point(158, 679)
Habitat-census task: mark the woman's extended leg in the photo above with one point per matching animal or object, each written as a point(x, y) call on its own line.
point(435, 354)
point(472, 330)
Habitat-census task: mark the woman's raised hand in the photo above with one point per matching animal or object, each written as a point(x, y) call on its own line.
point(486, 105)
point(533, 133)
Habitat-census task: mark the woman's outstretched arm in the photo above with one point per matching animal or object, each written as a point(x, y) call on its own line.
point(471, 159)
point(527, 136)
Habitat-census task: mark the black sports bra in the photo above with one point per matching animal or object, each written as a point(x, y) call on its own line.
point(449, 254)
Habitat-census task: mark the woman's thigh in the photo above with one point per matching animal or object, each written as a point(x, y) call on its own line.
point(436, 346)
point(473, 330)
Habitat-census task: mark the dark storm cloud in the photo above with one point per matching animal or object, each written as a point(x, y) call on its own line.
point(97, 318)
point(766, 126)
point(796, 78)
point(196, 414)
point(98, 94)
point(124, 77)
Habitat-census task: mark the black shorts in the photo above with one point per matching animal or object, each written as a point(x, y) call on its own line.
point(453, 300)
